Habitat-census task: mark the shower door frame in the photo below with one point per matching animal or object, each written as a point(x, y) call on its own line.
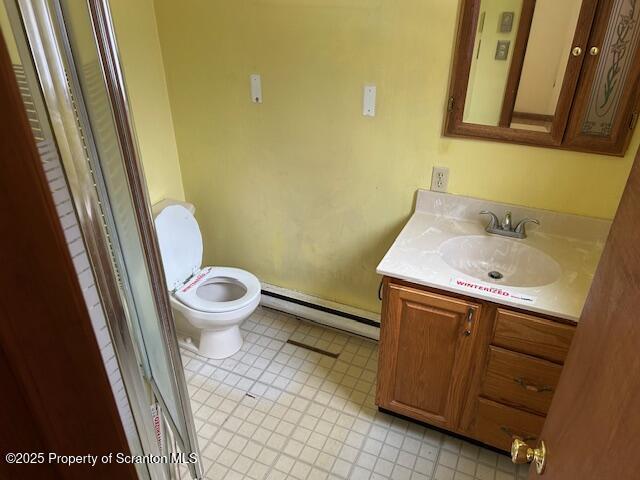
point(106, 42)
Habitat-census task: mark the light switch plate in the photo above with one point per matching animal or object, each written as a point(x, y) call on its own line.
point(440, 179)
point(502, 49)
point(369, 101)
point(256, 88)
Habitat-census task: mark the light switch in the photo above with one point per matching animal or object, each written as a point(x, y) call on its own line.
point(256, 88)
point(369, 101)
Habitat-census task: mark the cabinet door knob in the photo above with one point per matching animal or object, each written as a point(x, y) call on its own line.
point(522, 453)
point(576, 52)
point(593, 51)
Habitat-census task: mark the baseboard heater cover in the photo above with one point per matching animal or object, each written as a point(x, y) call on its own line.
point(327, 313)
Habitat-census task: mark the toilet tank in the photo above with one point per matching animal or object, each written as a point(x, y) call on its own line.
point(162, 204)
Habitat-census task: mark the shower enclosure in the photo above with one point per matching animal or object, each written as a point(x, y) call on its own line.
point(65, 57)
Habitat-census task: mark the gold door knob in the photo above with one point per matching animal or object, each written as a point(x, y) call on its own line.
point(576, 52)
point(594, 51)
point(522, 453)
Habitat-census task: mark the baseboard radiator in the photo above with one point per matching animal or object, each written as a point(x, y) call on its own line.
point(324, 312)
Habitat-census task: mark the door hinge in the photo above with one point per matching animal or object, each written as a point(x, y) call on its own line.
point(634, 120)
point(450, 104)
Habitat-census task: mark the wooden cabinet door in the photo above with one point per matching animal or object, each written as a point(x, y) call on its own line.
point(607, 102)
point(427, 347)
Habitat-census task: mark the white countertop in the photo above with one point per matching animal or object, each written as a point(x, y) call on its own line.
point(575, 242)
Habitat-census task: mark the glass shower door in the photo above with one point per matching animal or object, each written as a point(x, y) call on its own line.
point(128, 248)
point(73, 46)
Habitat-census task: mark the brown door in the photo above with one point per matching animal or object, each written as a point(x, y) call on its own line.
point(593, 427)
point(425, 352)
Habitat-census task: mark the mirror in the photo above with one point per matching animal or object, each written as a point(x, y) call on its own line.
point(549, 73)
point(521, 52)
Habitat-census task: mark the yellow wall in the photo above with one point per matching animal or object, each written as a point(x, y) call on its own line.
point(7, 34)
point(303, 190)
point(144, 72)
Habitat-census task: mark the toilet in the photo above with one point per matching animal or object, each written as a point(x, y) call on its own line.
point(214, 300)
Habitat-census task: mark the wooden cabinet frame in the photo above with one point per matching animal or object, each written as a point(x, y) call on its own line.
point(564, 134)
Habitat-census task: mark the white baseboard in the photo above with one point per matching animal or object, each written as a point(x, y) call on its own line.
point(320, 315)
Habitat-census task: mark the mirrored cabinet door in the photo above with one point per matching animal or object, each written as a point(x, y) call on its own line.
point(522, 56)
point(532, 72)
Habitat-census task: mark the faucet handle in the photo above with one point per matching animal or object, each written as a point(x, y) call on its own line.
point(520, 227)
point(506, 222)
point(494, 221)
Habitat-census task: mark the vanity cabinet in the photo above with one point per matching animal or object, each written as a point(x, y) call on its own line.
point(466, 365)
point(428, 342)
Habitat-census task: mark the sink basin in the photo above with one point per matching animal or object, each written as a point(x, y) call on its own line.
point(500, 260)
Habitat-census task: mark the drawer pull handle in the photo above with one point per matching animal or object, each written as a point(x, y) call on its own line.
point(512, 434)
point(467, 331)
point(531, 387)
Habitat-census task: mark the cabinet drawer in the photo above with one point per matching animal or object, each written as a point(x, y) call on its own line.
point(499, 425)
point(520, 380)
point(532, 335)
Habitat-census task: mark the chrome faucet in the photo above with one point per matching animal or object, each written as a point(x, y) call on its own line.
point(505, 227)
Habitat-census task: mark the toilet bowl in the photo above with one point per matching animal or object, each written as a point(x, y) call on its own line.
point(214, 300)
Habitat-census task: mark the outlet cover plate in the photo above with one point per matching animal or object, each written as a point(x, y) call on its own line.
point(440, 179)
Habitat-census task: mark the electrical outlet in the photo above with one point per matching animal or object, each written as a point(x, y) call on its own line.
point(439, 179)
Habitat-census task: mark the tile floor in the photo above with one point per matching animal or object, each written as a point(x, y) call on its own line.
point(277, 411)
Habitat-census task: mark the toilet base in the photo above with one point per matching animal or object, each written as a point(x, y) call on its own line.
point(219, 344)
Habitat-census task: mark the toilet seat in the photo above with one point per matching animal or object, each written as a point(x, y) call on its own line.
point(180, 243)
point(189, 293)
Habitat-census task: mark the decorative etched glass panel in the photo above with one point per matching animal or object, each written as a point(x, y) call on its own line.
point(618, 51)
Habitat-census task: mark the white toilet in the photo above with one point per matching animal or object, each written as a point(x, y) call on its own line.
point(214, 300)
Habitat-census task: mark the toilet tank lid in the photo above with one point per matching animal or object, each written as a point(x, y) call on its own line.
point(180, 244)
point(157, 208)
